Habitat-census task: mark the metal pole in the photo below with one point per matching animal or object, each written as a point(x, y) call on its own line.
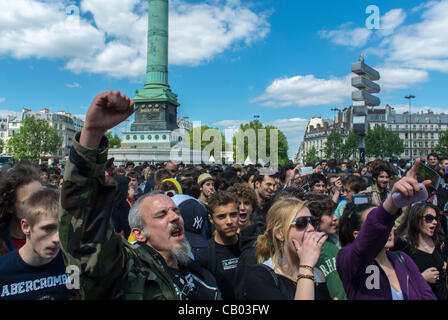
point(409, 97)
point(362, 151)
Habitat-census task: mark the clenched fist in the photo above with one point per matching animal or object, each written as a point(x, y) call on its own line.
point(107, 110)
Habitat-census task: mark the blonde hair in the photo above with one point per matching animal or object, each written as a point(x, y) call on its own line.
point(279, 218)
point(42, 202)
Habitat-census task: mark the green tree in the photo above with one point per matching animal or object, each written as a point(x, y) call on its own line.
point(35, 139)
point(351, 145)
point(383, 143)
point(251, 143)
point(442, 145)
point(311, 156)
point(114, 141)
point(2, 145)
point(207, 137)
point(334, 145)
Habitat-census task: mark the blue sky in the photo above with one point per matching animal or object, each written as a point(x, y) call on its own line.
point(285, 60)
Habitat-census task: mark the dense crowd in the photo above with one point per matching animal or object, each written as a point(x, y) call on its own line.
point(208, 232)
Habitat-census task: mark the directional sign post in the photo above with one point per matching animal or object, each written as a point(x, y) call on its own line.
point(362, 98)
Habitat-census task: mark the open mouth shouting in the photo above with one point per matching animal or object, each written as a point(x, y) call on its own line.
point(177, 232)
point(243, 217)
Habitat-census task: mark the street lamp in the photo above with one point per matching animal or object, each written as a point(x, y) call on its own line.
point(335, 109)
point(409, 97)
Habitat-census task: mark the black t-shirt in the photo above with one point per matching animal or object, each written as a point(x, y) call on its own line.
point(191, 281)
point(425, 260)
point(20, 281)
point(260, 284)
point(227, 261)
point(224, 266)
point(189, 286)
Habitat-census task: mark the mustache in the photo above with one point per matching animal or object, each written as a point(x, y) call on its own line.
point(176, 225)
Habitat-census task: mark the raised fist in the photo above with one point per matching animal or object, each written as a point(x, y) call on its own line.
point(107, 110)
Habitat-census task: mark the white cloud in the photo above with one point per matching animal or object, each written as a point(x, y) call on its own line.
point(5, 113)
point(424, 44)
point(80, 116)
point(391, 21)
point(41, 29)
point(421, 45)
point(349, 35)
point(114, 42)
point(400, 78)
point(345, 35)
point(73, 85)
point(201, 31)
point(305, 91)
point(401, 108)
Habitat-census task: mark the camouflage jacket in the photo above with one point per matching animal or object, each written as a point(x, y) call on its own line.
point(110, 267)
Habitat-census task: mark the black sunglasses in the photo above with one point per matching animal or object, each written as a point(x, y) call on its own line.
point(430, 218)
point(302, 222)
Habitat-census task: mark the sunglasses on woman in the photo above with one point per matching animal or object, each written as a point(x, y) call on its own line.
point(302, 222)
point(430, 218)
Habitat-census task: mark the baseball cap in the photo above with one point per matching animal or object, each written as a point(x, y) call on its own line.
point(204, 177)
point(195, 218)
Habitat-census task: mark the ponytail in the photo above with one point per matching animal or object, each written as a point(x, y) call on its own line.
point(265, 248)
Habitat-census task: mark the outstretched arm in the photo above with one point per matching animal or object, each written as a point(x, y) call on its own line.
point(85, 232)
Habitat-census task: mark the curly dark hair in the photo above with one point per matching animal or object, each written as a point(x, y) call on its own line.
point(319, 204)
point(10, 182)
point(244, 190)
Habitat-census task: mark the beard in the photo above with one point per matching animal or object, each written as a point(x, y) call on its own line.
point(182, 254)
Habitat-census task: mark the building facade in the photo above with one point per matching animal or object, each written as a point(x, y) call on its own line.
point(317, 131)
point(420, 131)
point(65, 123)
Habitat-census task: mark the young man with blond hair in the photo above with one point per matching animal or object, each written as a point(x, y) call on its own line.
point(36, 271)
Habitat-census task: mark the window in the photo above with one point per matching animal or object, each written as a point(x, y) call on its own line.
point(149, 137)
point(142, 137)
point(135, 137)
point(128, 137)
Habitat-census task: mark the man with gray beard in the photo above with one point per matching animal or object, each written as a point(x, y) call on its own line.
point(158, 227)
point(158, 265)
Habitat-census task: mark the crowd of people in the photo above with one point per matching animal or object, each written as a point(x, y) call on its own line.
point(210, 232)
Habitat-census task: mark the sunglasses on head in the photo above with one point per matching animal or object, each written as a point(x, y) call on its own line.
point(430, 218)
point(302, 222)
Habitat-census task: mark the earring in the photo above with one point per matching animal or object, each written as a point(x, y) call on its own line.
point(282, 256)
